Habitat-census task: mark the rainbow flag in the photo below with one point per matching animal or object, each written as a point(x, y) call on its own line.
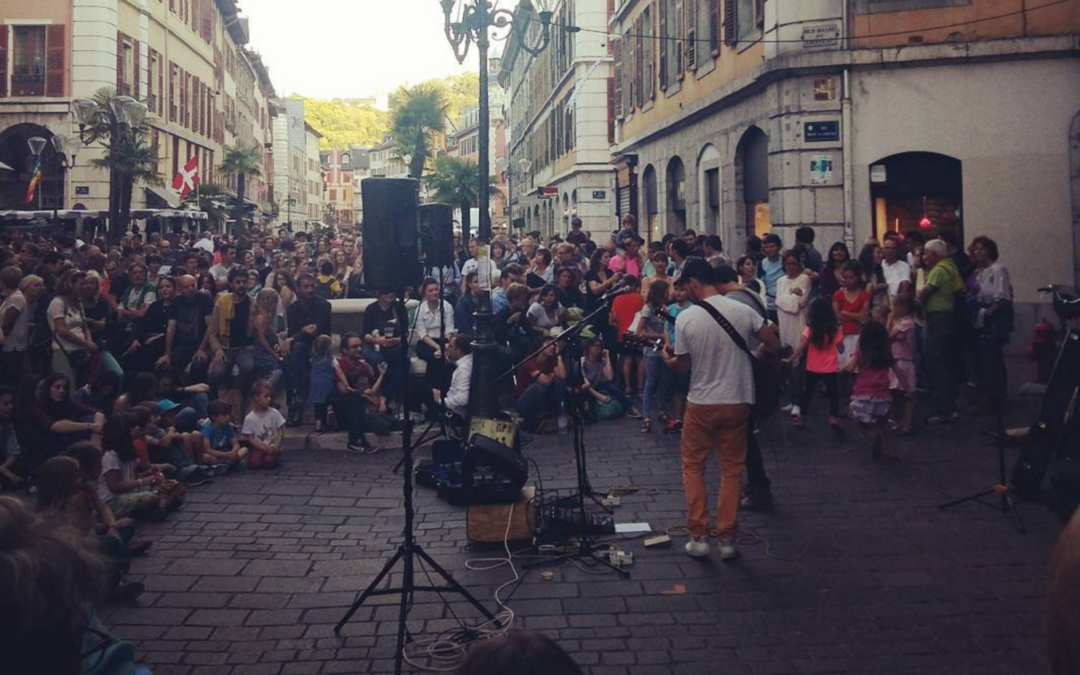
point(35, 180)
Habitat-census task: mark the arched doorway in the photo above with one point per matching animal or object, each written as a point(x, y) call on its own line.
point(676, 195)
point(652, 207)
point(917, 191)
point(15, 152)
point(752, 179)
point(709, 189)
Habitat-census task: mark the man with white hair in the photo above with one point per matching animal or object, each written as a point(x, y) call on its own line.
point(938, 302)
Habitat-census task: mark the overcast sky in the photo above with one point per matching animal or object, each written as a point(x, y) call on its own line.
point(351, 48)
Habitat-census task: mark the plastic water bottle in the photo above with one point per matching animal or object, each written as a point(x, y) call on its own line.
point(564, 423)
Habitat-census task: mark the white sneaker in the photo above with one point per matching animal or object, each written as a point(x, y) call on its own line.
point(787, 408)
point(795, 411)
point(697, 548)
point(728, 550)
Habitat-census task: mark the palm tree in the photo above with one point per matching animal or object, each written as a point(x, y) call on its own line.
point(241, 162)
point(417, 113)
point(456, 181)
point(128, 158)
point(211, 200)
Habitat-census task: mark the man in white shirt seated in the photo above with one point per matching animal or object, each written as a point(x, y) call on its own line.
point(459, 353)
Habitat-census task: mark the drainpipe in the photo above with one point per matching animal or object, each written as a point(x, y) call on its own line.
point(845, 126)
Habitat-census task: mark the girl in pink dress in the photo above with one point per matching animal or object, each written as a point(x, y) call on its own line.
point(870, 398)
point(902, 377)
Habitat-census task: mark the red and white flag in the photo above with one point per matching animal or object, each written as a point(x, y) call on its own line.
point(188, 177)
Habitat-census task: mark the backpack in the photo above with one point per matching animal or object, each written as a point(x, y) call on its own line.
point(324, 289)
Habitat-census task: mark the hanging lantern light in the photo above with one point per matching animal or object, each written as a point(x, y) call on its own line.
point(925, 223)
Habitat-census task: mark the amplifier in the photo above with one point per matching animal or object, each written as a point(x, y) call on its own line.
point(486, 523)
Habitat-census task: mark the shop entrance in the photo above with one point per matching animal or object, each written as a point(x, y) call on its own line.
point(920, 191)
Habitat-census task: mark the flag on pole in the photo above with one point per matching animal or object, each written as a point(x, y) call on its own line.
point(35, 180)
point(187, 178)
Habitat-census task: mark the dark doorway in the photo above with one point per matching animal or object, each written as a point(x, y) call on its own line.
point(917, 191)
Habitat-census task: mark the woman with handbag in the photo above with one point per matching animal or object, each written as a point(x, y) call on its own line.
point(74, 350)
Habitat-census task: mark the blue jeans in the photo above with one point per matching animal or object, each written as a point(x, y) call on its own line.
point(539, 402)
point(654, 372)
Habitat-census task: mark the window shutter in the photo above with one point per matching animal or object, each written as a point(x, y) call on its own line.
point(136, 86)
point(691, 33)
point(55, 47)
point(4, 32)
point(639, 62)
point(663, 7)
point(121, 86)
point(611, 110)
point(731, 22)
point(714, 26)
point(680, 34)
point(617, 50)
point(650, 57)
point(759, 14)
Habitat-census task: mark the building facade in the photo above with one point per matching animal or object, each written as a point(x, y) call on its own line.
point(339, 190)
point(180, 57)
point(558, 147)
point(297, 179)
point(464, 143)
point(740, 117)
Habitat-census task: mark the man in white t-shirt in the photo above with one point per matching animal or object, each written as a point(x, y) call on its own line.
point(718, 405)
point(897, 272)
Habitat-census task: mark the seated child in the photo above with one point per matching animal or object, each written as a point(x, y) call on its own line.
point(221, 445)
point(264, 428)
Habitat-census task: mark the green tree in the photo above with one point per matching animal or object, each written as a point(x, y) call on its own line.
point(128, 158)
point(211, 200)
point(241, 162)
point(457, 182)
point(417, 113)
point(346, 122)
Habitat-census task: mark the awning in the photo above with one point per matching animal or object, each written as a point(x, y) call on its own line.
point(62, 214)
point(167, 196)
point(143, 214)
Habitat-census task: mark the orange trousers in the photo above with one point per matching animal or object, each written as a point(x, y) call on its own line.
point(706, 427)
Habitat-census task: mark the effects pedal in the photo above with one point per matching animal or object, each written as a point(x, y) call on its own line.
point(659, 541)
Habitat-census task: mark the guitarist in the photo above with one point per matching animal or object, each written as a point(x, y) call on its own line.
point(719, 403)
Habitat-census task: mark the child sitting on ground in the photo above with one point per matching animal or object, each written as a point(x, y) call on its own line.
point(126, 490)
point(221, 446)
point(264, 428)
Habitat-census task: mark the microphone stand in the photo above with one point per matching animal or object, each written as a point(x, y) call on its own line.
point(570, 339)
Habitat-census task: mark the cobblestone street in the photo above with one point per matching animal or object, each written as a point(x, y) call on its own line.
point(860, 573)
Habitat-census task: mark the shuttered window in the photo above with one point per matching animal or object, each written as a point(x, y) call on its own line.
point(680, 37)
point(691, 34)
point(663, 46)
point(714, 27)
point(731, 21)
point(650, 53)
point(617, 52)
point(56, 49)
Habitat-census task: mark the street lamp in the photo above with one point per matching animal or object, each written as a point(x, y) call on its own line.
point(475, 21)
point(67, 148)
point(127, 116)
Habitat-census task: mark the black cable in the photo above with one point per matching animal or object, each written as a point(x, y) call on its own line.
point(957, 24)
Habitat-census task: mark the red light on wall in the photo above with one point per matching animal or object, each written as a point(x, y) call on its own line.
point(925, 223)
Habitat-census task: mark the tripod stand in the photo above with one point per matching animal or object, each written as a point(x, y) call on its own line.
point(1003, 487)
point(408, 550)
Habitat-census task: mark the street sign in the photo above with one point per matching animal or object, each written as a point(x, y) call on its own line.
point(549, 191)
point(821, 36)
point(599, 194)
point(82, 190)
point(821, 132)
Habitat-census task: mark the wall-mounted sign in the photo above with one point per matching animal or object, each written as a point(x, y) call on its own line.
point(821, 36)
point(821, 169)
point(878, 174)
point(821, 132)
point(549, 191)
point(825, 89)
point(599, 194)
point(82, 190)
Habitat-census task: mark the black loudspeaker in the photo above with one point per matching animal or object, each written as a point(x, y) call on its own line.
point(492, 473)
point(391, 255)
point(436, 231)
point(1051, 430)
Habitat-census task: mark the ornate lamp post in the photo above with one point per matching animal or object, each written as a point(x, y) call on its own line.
point(476, 21)
point(124, 116)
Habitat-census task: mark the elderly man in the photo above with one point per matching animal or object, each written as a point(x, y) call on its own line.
point(897, 271)
point(937, 300)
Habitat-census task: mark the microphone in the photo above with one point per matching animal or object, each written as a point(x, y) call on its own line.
point(620, 289)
